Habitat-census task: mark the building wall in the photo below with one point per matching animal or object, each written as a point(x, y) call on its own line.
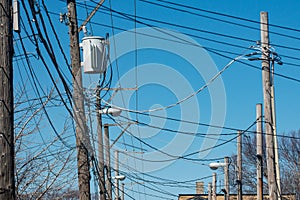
point(232, 197)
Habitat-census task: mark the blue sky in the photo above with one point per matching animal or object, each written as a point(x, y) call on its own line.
point(171, 76)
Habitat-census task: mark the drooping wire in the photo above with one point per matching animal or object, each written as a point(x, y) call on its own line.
point(176, 157)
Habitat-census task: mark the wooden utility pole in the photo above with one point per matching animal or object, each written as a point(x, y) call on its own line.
point(209, 191)
point(78, 107)
point(267, 106)
point(214, 186)
point(239, 166)
point(7, 180)
point(123, 191)
point(116, 175)
point(226, 174)
point(277, 168)
point(100, 148)
point(259, 151)
point(107, 162)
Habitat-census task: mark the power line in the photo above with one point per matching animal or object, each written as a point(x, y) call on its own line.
point(190, 95)
point(212, 50)
point(226, 15)
point(44, 62)
point(132, 18)
point(176, 157)
point(220, 20)
point(56, 36)
point(40, 99)
point(33, 75)
point(200, 124)
point(208, 49)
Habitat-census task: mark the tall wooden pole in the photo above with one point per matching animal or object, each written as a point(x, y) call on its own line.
point(100, 149)
point(107, 162)
point(116, 175)
point(267, 106)
point(123, 191)
point(209, 191)
point(239, 166)
point(78, 107)
point(7, 180)
point(226, 174)
point(277, 167)
point(214, 186)
point(259, 151)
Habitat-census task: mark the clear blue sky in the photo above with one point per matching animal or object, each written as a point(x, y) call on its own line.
point(169, 71)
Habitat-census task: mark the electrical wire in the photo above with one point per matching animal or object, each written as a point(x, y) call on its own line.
point(226, 15)
point(212, 50)
point(187, 97)
point(39, 96)
point(176, 157)
point(216, 19)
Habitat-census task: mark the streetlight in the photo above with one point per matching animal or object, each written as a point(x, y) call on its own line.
point(117, 177)
point(112, 111)
point(104, 149)
point(117, 185)
point(215, 166)
point(120, 177)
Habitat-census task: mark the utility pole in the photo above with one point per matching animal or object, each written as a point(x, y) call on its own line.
point(123, 191)
point(117, 174)
point(7, 161)
point(239, 166)
point(259, 151)
point(214, 186)
point(107, 162)
point(78, 106)
point(100, 148)
point(226, 174)
point(268, 106)
point(277, 168)
point(209, 191)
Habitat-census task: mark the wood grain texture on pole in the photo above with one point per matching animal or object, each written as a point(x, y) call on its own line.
point(107, 162)
point(267, 106)
point(259, 151)
point(82, 141)
point(100, 149)
point(239, 166)
point(7, 180)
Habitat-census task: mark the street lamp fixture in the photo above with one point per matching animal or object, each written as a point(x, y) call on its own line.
point(216, 165)
point(112, 111)
point(120, 177)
